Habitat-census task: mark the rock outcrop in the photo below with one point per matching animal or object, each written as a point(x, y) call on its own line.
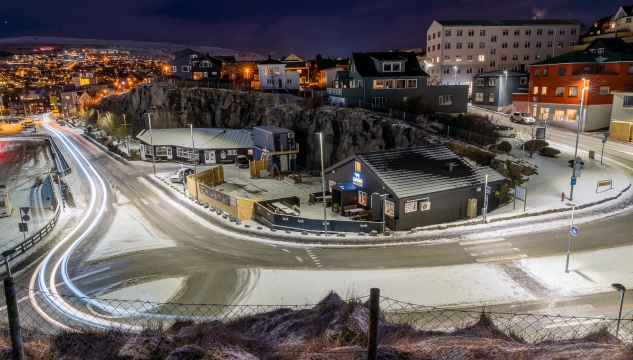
point(346, 131)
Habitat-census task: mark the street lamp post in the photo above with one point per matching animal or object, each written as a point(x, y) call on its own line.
point(323, 181)
point(384, 209)
point(505, 90)
point(604, 140)
point(580, 117)
point(127, 138)
point(193, 154)
point(622, 289)
point(573, 206)
point(151, 140)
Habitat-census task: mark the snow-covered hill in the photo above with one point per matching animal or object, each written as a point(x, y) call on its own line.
point(152, 49)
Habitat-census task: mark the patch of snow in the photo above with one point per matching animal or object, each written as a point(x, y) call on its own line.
point(160, 291)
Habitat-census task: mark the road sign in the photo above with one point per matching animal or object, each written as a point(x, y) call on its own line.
point(540, 133)
point(24, 227)
point(573, 180)
point(26, 218)
point(180, 176)
point(546, 123)
point(486, 203)
point(488, 190)
point(25, 210)
point(574, 231)
point(48, 198)
point(64, 187)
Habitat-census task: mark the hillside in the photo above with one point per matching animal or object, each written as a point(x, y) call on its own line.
point(159, 50)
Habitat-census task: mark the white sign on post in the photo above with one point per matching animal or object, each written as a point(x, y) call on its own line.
point(520, 193)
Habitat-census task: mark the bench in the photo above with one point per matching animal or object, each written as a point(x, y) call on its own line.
point(296, 209)
point(286, 204)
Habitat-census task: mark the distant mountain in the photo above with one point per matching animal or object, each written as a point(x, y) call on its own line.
point(159, 50)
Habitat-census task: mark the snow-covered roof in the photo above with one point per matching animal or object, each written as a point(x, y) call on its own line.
point(203, 138)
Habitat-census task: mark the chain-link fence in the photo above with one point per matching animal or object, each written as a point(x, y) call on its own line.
point(57, 325)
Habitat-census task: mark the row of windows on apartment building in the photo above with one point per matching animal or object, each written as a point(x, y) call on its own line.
point(443, 100)
point(394, 83)
point(446, 71)
point(493, 81)
point(505, 32)
point(566, 115)
point(482, 58)
point(585, 69)
point(572, 91)
point(504, 45)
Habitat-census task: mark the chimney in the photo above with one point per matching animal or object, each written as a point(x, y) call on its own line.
point(268, 56)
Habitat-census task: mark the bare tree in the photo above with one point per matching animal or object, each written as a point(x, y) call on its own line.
point(434, 80)
point(112, 124)
point(528, 141)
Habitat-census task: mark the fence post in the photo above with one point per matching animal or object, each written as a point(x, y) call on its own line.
point(404, 116)
point(12, 310)
point(448, 131)
point(372, 336)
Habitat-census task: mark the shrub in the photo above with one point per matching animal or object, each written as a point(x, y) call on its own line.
point(549, 152)
point(536, 145)
point(504, 146)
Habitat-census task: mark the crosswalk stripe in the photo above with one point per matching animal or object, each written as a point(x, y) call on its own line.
point(498, 251)
point(154, 201)
point(483, 241)
point(499, 258)
point(489, 246)
point(145, 201)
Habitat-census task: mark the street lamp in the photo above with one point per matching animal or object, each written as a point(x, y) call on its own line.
point(193, 155)
point(619, 287)
point(573, 206)
point(151, 139)
point(573, 167)
point(455, 74)
point(323, 181)
point(604, 140)
point(127, 138)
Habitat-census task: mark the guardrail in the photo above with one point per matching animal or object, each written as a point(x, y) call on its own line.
point(60, 162)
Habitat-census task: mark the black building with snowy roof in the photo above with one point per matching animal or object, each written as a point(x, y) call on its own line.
point(421, 185)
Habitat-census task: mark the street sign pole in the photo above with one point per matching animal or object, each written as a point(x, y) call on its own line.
point(569, 243)
point(486, 191)
point(182, 177)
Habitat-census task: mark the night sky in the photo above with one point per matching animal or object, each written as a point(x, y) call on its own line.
point(278, 27)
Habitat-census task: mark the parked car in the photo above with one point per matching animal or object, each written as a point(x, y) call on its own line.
point(28, 130)
point(176, 177)
point(505, 131)
point(242, 161)
point(523, 118)
point(61, 123)
point(26, 121)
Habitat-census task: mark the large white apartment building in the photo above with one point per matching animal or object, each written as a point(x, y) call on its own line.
point(458, 50)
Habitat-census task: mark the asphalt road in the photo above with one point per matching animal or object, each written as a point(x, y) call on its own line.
point(211, 261)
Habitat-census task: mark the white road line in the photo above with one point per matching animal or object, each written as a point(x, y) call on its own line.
point(298, 258)
point(569, 322)
point(483, 241)
point(145, 201)
point(154, 201)
point(314, 258)
point(498, 251)
point(489, 246)
point(286, 250)
point(499, 258)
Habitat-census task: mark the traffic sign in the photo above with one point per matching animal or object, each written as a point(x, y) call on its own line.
point(24, 227)
point(48, 198)
point(180, 176)
point(64, 187)
point(486, 203)
point(573, 180)
point(574, 230)
point(546, 123)
point(25, 210)
point(26, 218)
point(488, 190)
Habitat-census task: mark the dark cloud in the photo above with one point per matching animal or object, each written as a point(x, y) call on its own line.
point(275, 26)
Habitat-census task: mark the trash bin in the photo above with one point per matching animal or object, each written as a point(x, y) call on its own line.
point(592, 154)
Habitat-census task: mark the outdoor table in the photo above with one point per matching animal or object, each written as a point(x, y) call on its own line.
point(353, 211)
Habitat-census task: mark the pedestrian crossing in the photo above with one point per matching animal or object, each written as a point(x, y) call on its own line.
point(491, 250)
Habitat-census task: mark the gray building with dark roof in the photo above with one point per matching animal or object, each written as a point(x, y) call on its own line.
point(493, 90)
point(421, 185)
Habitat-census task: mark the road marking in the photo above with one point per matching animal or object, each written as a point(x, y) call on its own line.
point(154, 201)
point(145, 201)
point(472, 248)
point(499, 258)
point(498, 251)
point(298, 258)
point(286, 250)
point(483, 241)
point(570, 322)
point(314, 258)
point(199, 236)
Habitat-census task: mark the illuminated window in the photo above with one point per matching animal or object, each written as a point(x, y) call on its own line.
point(573, 91)
point(390, 84)
point(379, 84)
point(559, 115)
point(491, 97)
point(389, 208)
point(412, 83)
point(544, 114)
point(479, 96)
point(332, 183)
point(571, 115)
point(362, 198)
point(400, 84)
point(544, 90)
point(357, 166)
point(560, 90)
point(411, 206)
point(492, 82)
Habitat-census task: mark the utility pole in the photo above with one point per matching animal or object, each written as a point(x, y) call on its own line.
point(580, 117)
point(193, 154)
point(127, 138)
point(151, 139)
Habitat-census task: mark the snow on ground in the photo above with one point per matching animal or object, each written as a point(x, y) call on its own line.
point(159, 291)
point(122, 238)
point(451, 285)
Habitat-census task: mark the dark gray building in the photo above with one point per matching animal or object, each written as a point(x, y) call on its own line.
point(192, 65)
point(421, 185)
point(383, 78)
point(493, 90)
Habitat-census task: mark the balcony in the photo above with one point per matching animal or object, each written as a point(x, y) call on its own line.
point(335, 91)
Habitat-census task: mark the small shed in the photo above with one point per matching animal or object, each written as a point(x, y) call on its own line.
point(344, 194)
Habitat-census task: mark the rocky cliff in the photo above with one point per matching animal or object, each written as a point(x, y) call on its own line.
point(346, 131)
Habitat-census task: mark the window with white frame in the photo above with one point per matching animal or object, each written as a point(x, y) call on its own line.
point(447, 46)
point(471, 45)
point(174, 68)
point(479, 97)
point(573, 31)
point(272, 70)
point(493, 39)
point(389, 208)
point(458, 45)
point(517, 32)
point(459, 33)
point(412, 83)
point(480, 81)
point(515, 45)
point(543, 90)
point(379, 84)
point(562, 31)
point(492, 82)
point(458, 58)
point(469, 57)
point(390, 84)
point(492, 63)
point(481, 58)
point(362, 198)
point(526, 57)
point(493, 51)
point(231, 152)
point(528, 32)
point(527, 44)
point(480, 70)
point(471, 32)
point(148, 150)
point(550, 32)
point(539, 32)
point(482, 32)
point(446, 100)
point(505, 33)
point(504, 45)
point(401, 84)
point(515, 57)
point(573, 91)
point(560, 44)
point(482, 45)
point(447, 33)
point(410, 206)
point(186, 68)
point(447, 58)
point(469, 70)
point(391, 67)
point(491, 97)
point(446, 71)
point(560, 91)
point(161, 151)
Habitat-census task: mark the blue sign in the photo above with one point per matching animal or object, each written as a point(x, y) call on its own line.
point(546, 123)
point(48, 198)
point(573, 180)
point(486, 203)
point(180, 175)
point(64, 187)
point(488, 190)
point(574, 230)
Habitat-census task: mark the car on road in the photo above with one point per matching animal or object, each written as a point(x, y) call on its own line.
point(523, 118)
point(61, 123)
point(505, 131)
point(242, 161)
point(176, 177)
point(26, 121)
point(27, 130)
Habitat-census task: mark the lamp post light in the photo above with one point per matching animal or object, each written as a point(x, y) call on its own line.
point(455, 74)
point(621, 288)
point(151, 140)
point(193, 155)
point(323, 181)
point(580, 117)
point(573, 206)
